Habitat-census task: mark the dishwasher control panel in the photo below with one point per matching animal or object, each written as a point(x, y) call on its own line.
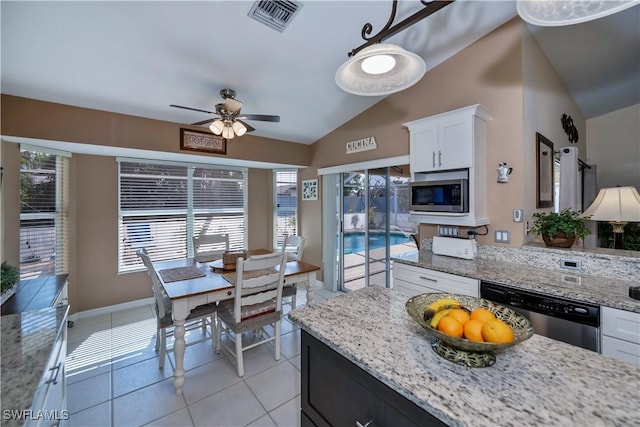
point(540, 303)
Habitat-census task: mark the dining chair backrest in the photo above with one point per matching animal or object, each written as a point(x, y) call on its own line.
point(155, 281)
point(294, 246)
point(259, 279)
point(210, 247)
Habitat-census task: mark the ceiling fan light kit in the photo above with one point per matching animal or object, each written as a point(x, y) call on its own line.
point(230, 123)
point(380, 69)
point(376, 68)
point(555, 13)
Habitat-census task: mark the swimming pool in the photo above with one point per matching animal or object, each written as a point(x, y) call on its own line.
point(354, 242)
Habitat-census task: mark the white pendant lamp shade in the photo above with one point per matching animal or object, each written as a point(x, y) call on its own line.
point(239, 128)
point(618, 204)
point(554, 13)
point(380, 69)
point(227, 132)
point(216, 127)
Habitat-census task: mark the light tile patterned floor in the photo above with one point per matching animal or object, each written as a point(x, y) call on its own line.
point(113, 377)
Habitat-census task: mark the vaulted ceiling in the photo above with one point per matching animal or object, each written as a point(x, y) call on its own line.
point(139, 57)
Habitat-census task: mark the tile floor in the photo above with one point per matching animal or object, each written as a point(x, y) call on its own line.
point(113, 377)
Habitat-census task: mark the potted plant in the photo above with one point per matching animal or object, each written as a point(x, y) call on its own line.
point(560, 229)
point(10, 277)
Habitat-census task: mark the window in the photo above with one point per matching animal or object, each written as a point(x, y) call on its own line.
point(285, 218)
point(163, 205)
point(44, 219)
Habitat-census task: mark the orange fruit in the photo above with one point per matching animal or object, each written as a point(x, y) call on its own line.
point(450, 326)
point(460, 315)
point(481, 314)
point(497, 331)
point(473, 330)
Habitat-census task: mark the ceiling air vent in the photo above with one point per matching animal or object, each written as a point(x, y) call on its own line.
point(276, 14)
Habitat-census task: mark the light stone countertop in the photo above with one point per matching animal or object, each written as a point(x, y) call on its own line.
point(27, 342)
point(538, 382)
point(585, 288)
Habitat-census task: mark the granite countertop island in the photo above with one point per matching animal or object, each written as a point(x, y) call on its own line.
point(27, 342)
point(538, 382)
point(587, 288)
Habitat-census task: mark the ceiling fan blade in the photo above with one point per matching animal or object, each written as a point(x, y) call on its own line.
point(261, 117)
point(232, 105)
point(192, 109)
point(247, 125)
point(204, 122)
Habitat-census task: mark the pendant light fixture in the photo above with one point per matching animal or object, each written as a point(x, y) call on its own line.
point(376, 68)
point(555, 13)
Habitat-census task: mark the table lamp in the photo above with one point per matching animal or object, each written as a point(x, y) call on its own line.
point(618, 206)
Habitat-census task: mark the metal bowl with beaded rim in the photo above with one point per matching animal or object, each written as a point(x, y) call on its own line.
point(461, 350)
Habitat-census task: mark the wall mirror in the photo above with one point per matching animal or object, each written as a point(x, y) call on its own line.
point(544, 172)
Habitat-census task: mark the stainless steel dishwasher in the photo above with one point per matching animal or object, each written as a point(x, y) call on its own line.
point(558, 318)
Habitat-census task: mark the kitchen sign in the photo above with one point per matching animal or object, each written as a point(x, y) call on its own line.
point(363, 144)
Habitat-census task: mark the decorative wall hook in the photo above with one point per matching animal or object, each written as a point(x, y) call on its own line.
point(569, 128)
point(503, 173)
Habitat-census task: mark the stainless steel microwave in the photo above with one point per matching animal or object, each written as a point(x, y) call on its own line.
point(451, 195)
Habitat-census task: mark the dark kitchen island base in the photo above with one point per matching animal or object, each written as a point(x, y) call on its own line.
point(335, 392)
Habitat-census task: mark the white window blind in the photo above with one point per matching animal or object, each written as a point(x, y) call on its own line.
point(286, 205)
point(162, 206)
point(44, 219)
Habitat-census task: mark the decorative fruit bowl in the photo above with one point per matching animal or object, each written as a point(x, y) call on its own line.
point(461, 350)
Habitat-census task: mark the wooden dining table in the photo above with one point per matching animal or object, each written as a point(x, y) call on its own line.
point(211, 286)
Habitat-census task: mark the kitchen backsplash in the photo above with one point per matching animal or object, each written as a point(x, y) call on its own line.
point(594, 262)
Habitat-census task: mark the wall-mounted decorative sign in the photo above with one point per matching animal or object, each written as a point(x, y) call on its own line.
point(363, 144)
point(309, 189)
point(202, 141)
point(569, 128)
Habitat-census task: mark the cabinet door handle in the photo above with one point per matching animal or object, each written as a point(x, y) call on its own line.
point(359, 424)
point(434, 158)
point(429, 279)
point(439, 158)
point(54, 380)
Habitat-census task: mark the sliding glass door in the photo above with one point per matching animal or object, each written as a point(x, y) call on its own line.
point(374, 217)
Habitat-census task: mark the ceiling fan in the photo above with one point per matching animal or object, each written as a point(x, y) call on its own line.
point(230, 122)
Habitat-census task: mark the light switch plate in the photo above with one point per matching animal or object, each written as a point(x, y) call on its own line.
point(502, 236)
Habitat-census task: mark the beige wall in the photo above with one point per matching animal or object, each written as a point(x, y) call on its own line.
point(613, 144)
point(546, 99)
point(44, 120)
point(489, 73)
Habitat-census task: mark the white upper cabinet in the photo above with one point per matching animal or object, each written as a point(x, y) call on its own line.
point(448, 146)
point(446, 141)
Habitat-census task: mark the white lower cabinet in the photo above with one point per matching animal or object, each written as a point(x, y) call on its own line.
point(412, 280)
point(620, 334)
point(49, 406)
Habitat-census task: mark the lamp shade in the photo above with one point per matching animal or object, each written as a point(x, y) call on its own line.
point(619, 204)
point(227, 132)
point(216, 127)
point(239, 128)
point(380, 69)
point(554, 13)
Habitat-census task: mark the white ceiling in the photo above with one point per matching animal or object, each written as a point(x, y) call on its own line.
point(138, 57)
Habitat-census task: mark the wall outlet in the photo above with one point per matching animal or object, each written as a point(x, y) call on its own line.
point(448, 230)
point(502, 236)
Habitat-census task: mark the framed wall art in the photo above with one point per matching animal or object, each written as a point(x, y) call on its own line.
point(544, 172)
point(309, 189)
point(202, 141)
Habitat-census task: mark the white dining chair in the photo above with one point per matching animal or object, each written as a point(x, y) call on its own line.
point(199, 318)
point(257, 303)
point(294, 246)
point(210, 247)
